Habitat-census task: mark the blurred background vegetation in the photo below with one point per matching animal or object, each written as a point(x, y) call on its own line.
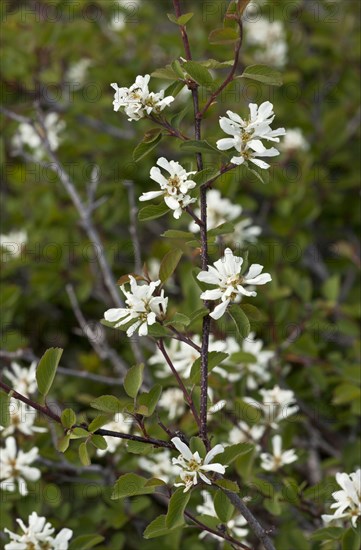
point(63, 56)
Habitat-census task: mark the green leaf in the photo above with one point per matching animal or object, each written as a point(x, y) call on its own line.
point(98, 422)
point(222, 229)
point(68, 418)
point(107, 403)
point(144, 148)
point(223, 36)
point(228, 485)
point(130, 485)
point(182, 20)
point(133, 380)
point(157, 330)
point(4, 409)
point(264, 74)
point(151, 135)
point(214, 359)
point(201, 146)
point(152, 212)
point(234, 451)
point(351, 539)
point(261, 175)
point(99, 442)
point(63, 443)
point(205, 175)
point(177, 119)
point(78, 433)
point(252, 312)
point(177, 68)
point(46, 369)
point(198, 314)
point(139, 448)
point(328, 533)
point(150, 399)
point(157, 528)
point(223, 507)
point(175, 234)
point(214, 64)
point(84, 542)
point(174, 89)
point(169, 264)
point(83, 454)
point(241, 321)
point(176, 507)
point(164, 73)
point(179, 320)
point(331, 288)
point(199, 73)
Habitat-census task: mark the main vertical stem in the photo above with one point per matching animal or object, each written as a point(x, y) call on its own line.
point(204, 244)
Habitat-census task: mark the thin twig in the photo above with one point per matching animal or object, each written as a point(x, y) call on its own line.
point(133, 226)
point(44, 409)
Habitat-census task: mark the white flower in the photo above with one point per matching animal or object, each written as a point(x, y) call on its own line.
point(76, 73)
point(348, 500)
point(138, 101)
point(159, 465)
point(226, 275)
point(244, 232)
point(27, 136)
point(192, 465)
point(247, 134)
point(294, 139)
point(277, 405)
point(219, 210)
point(23, 379)
point(270, 39)
point(143, 307)
point(278, 458)
point(38, 535)
point(120, 423)
point(22, 418)
point(242, 433)
point(15, 467)
point(12, 244)
point(172, 400)
point(174, 188)
point(234, 526)
point(257, 371)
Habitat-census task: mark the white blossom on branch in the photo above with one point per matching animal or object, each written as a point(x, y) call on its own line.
point(173, 188)
point(142, 307)
point(225, 274)
point(15, 467)
point(247, 134)
point(278, 458)
point(192, 465)
point(137, 101)
point(348, 500)
point(38, 534)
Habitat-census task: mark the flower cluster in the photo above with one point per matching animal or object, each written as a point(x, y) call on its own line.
point(22, 418)
point(159, 465)
point(247, 134)
point(192, 465)
point(143, 308)
point(278, 458)
point(137, 101)
point(277, 405)
point(120, 423)
point(269, 38)
point(27, 136)
point(221, 210)
point(22, 378)
point(225, 274)
point(15, 466)
point(348, 500)
point(38, 534)
point(173, 188)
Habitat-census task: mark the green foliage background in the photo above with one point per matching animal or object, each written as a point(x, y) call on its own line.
point(309, 213)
